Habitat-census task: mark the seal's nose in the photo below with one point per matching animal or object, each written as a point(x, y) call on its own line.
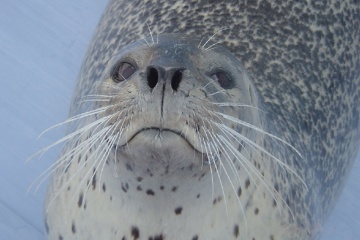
point(173, 75)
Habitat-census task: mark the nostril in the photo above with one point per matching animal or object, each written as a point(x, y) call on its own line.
point(152, 77)
point(176, 79)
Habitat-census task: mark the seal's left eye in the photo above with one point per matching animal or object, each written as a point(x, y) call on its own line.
point(223, 79)
point(123, 72)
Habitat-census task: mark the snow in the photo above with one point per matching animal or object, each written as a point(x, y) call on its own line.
point(42, 44)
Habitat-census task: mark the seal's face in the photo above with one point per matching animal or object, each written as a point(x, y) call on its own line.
point(170, 97)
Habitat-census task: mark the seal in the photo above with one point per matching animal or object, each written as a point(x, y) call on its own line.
point(247, 133)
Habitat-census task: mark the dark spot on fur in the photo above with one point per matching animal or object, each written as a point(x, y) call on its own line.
point(256, 211)
point(149, 172)
point(125, 187)
point(158, 237)
point(288, 202)
point(139, 188)
point(93, 181)
point(73, 229)
point(135, 232)
point(276, 186)
point(81, 197)
point(104, 187)
point(239, 191)
point(61, 237)
point(236, 231)
point(191, 167)
point(161, 187)
point(174, 189)
point(139, 179)
point(198, 196)
point(274, 203)
point(240, 147)
point(272, 237)
point(178, 210)
point(128, 167)
point(150, 192)
point(67, 166)
point(195, 237)
point(68, 188)
point(247, 183)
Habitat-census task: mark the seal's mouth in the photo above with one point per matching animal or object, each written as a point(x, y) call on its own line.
point(163, 135)
point(160, 130)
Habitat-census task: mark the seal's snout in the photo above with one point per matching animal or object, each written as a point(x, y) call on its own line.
point(173, 75)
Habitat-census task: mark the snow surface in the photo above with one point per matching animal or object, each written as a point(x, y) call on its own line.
point(42, 44)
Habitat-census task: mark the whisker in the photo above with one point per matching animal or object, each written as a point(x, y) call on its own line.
point(256, 172)
point(223, 29)
point(217, 170)
point(211, 94)
point(236, 134)
point(233, 167)
point(224, 104)
point(77, 117)
point(74, 151)
point(212, 46)
point(68, 137)
point(212, 81)
point(104, 130)
point(258, 129)
point(150, 33)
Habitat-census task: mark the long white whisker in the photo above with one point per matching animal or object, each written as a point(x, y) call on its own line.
point(236, 134)
point(213, 45)
point(258, 129)
point(211, 94)
point(77, 117)
point(236, 105)
point(232, 166)
point(255, 171)
point(104, 130)
point(203, 46)
point(150, 33)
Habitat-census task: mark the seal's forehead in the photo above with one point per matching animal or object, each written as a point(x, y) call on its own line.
point(176, 50)
point(171, 45)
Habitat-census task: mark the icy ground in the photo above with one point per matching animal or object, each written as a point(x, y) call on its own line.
point(42, 44)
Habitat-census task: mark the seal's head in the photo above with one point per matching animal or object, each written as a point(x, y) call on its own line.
point(175, 96)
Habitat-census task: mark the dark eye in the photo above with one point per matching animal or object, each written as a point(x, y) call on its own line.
point(123, 72)
point(223, 79)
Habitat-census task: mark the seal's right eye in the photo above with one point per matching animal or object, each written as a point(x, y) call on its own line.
point(122, 72)
point(223, 79)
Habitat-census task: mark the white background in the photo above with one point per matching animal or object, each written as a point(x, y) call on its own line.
point(42, 44)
